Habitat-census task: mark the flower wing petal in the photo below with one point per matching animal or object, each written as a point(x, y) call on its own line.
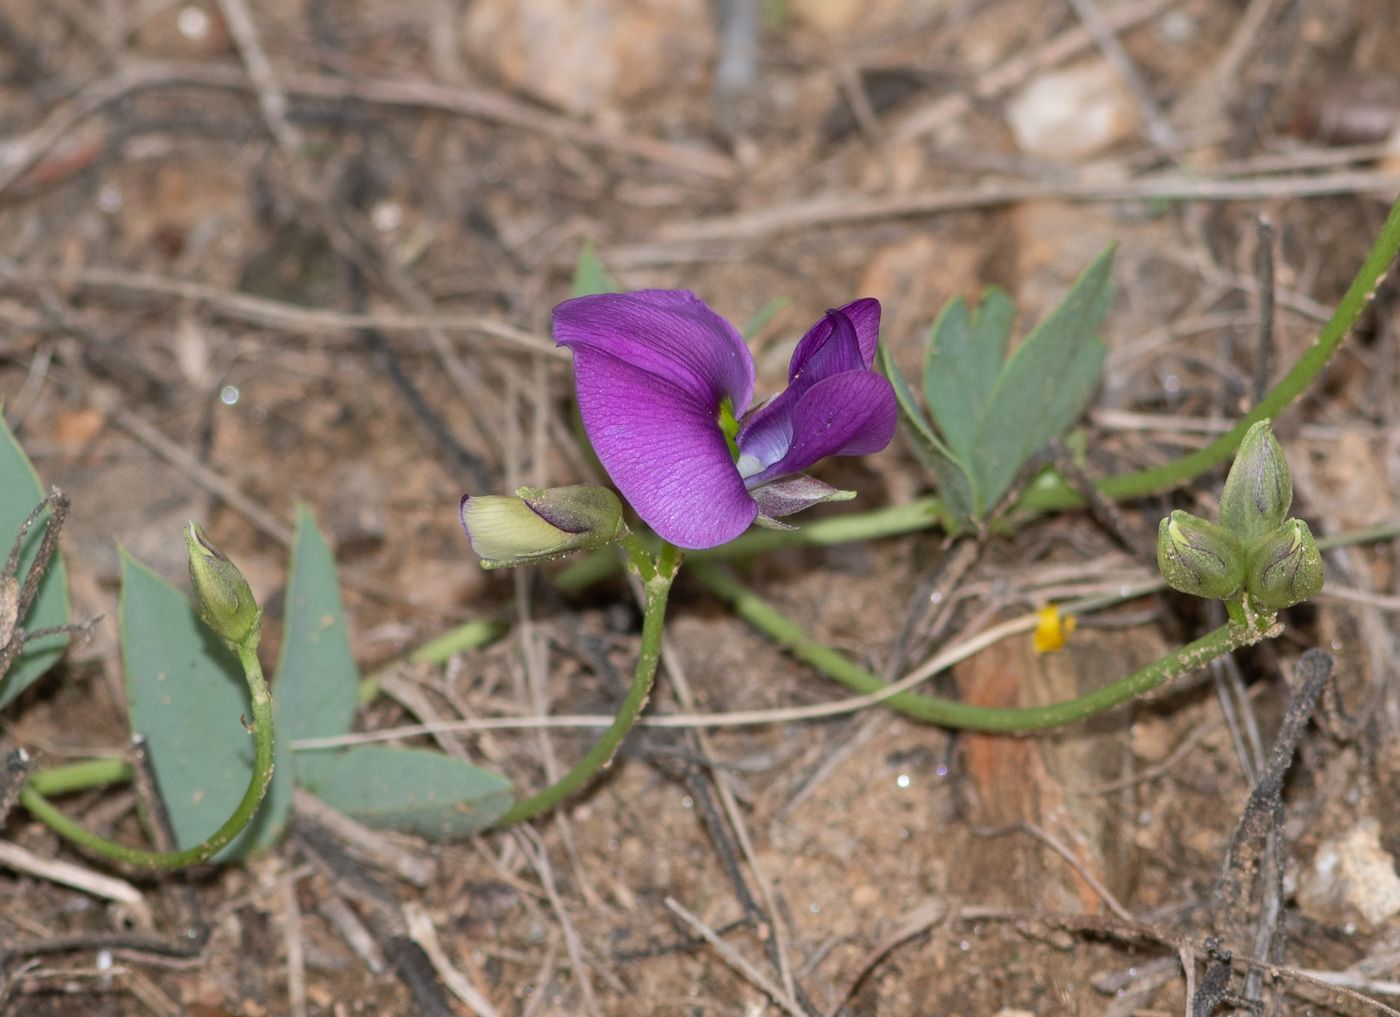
point(831, 346)
point(865, 317)
point(672, 334)
point(849, 414)
point(661, 445)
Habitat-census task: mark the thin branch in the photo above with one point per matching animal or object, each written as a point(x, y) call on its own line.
point(534, 848)
point(476, 103)
point(1264, 272)
point(15, 857)
point(1159, 131)
point(278, 314)
point(1003, 78)
point(736, 960)
point(840, 209)
point(1075, 862)
point(420, 927)
point(271, 98)
point(294, 945)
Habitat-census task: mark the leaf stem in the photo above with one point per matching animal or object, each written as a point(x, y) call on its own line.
point(951, 713)
point(657, 577)
point(42, 809)
point(62, 780)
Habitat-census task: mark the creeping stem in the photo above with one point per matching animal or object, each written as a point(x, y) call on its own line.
point(40, 807)
point(1250, 629)
point(656, 577)
point(1310, 364)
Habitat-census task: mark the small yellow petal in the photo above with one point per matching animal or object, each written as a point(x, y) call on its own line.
point(1052, 630)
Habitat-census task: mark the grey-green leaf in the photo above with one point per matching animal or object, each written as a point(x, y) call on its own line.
point(590, 278)
point(1046, 384)
point(926, 442)
point(965, 356)
point(413, 790)
point(20, 491)
point(954, 480)
point(317, 685)
point(188, 699)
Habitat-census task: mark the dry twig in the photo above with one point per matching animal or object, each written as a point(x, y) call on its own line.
point(420, 927)
point(108, 887)
point(736, 960)
point(834, 209)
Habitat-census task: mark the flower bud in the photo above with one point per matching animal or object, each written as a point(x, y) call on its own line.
point(222, 594)
point(1259, 488)
point(1283, 567)
point(537, 525)
point(1198, 557)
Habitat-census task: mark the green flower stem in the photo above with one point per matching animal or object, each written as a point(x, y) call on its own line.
point(890, 521)
point(40, 807)
point(657, 577)
point(951, 713)
point(467, 636)
point(62, 780)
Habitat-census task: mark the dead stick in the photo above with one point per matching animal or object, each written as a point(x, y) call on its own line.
point(1264, 272)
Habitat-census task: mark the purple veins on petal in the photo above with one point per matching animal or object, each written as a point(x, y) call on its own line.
point(847, 414)
point(793, 494)
point(865, 318)
point(654, 371)
point(664, 450)
point(669, 333)
point(829, 347)
point(844, 340)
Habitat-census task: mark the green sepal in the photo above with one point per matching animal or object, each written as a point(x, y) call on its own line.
point(1284, 567)
point(1259, 487)
point(1200, 557)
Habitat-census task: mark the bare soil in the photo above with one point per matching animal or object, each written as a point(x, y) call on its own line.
point(873, 830)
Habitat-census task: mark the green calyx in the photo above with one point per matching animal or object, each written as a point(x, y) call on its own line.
point(1284, 566)
point(224, 599)
point(1200, 557)
point(1259, 487)
point(536, 525)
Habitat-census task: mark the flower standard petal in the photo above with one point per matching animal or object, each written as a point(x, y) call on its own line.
point(663, 449)
point(849, 414)
point(670, 333)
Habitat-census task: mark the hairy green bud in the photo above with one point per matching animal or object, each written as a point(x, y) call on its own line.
point(223, 596)
point(1283, 567)
point(1259, 488)
point(537, 525)
point(1199, 557)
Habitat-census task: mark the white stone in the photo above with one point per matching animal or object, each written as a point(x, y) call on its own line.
point(581, 55)
point(1352, 871)
point(1075, 112)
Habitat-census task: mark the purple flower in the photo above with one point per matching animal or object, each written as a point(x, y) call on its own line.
point(664, 386)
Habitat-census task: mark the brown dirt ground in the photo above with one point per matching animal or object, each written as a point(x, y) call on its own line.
point(487, 218)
